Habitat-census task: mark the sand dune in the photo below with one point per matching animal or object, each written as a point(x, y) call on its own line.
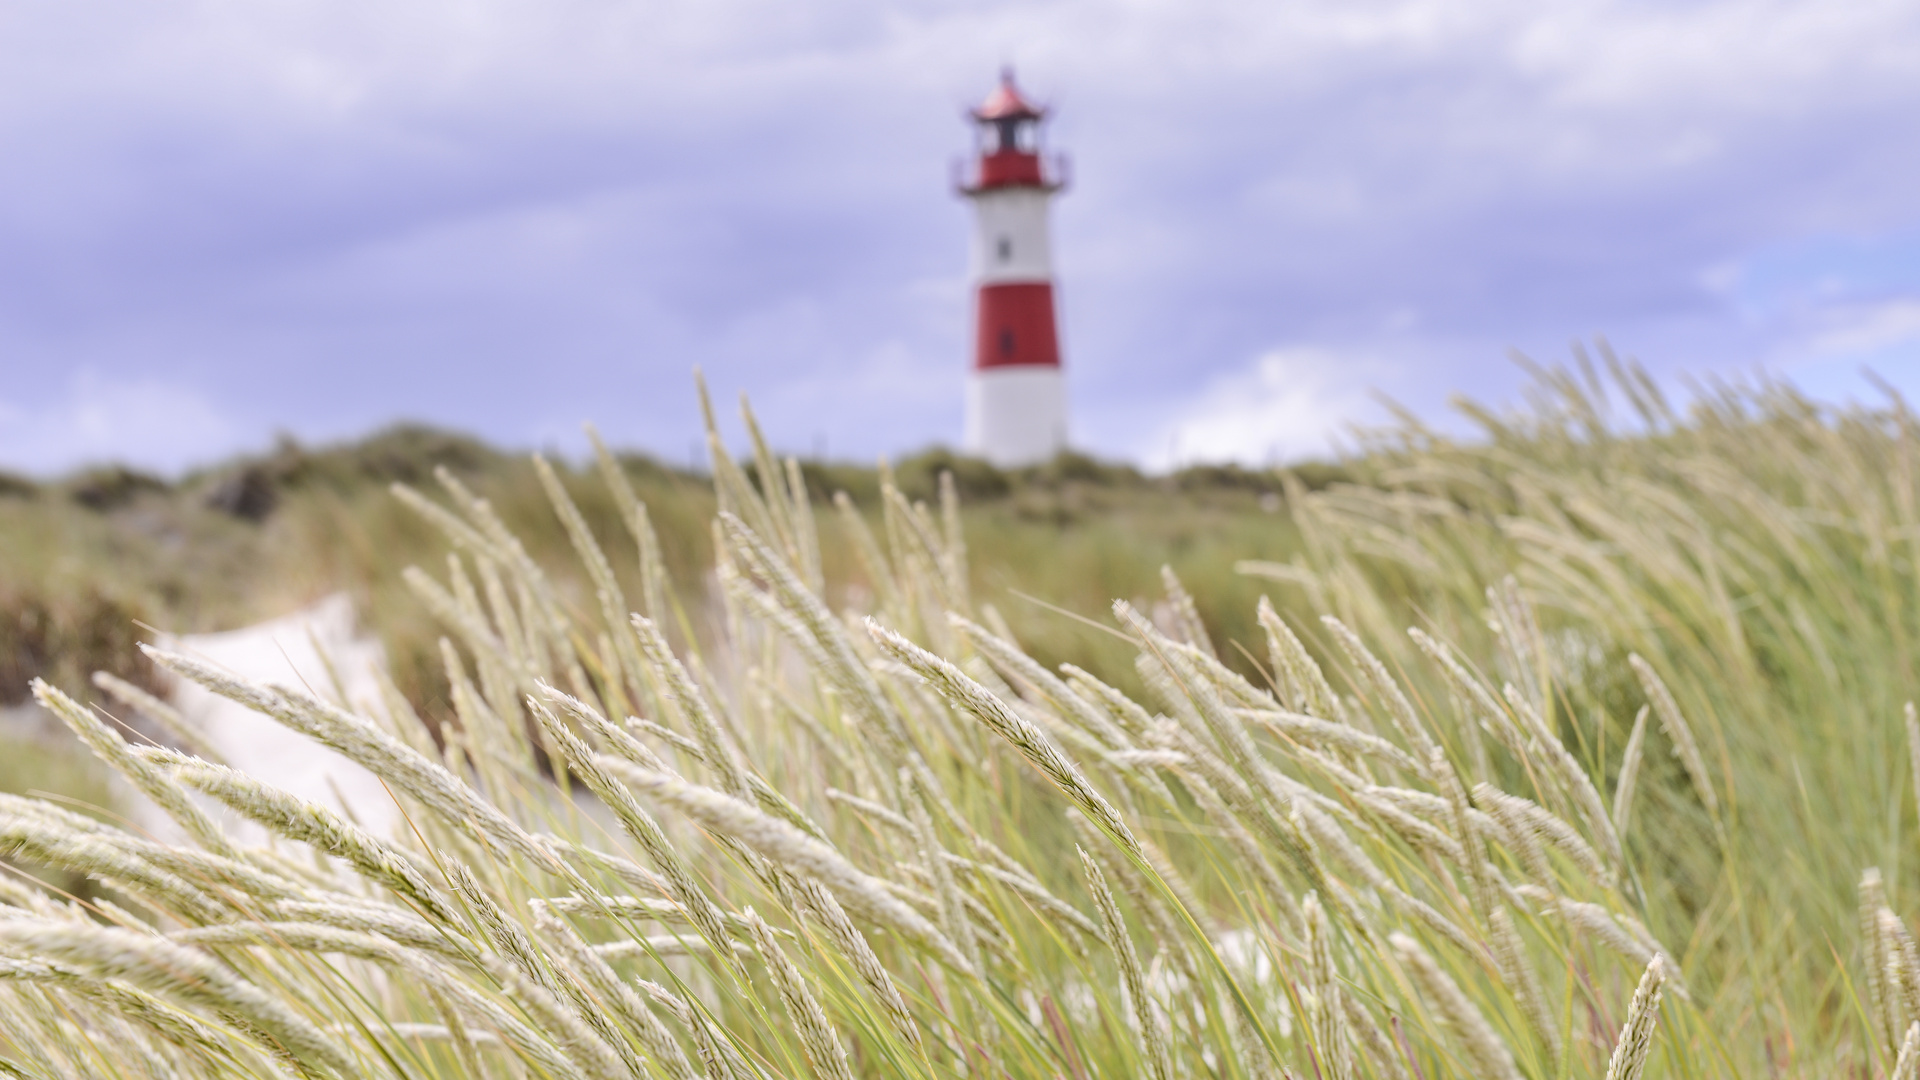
point(289, 651)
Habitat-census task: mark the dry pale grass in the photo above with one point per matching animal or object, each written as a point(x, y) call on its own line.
point(843, 843)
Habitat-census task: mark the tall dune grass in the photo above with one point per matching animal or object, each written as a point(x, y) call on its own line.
point(1574, 750)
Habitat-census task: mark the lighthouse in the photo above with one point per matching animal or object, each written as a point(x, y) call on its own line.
point(1016, 398)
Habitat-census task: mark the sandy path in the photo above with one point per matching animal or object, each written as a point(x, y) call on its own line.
point(288, 651)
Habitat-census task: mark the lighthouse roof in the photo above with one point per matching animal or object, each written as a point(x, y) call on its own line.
point(1006, 102)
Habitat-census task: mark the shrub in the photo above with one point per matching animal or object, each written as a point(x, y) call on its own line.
point(111, 487)
point(15, 486)
point(64, 637)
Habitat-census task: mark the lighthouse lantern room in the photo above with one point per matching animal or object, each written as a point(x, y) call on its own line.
point(1016, 399)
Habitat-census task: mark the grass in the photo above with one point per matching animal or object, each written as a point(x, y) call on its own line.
point(863, 823)
point(93, 555)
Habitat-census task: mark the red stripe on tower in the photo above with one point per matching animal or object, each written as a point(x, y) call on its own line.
point(1014, 326)
point(1016, 399)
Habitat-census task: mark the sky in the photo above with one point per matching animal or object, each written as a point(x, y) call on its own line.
point(221, 220)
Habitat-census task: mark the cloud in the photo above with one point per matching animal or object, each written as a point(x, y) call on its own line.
point(1869, 329)
point(160, 426)
point(1288, 404)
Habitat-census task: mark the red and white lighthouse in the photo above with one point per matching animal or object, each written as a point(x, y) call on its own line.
point(1016, 399)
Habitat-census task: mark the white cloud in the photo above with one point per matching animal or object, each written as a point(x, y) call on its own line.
point(1290, 403)
point(1863, 329)
point(160, 426)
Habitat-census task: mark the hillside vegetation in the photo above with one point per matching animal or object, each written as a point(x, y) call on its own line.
point(92, 557)
point(1574, 749)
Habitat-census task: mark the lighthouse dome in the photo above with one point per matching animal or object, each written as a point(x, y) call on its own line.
point(1007, 103)
point(1008, 147)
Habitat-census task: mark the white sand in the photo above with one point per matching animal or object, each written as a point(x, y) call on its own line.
point(288, 651)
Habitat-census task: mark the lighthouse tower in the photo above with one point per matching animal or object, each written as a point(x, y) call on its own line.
point(1016, 400)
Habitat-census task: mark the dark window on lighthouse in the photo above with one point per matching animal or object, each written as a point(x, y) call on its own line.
point(1006, 342)
point(1004, 249)
point(1008, 132)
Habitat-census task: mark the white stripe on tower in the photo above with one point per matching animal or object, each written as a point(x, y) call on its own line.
point(1010, 235)
point(1016, 398)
